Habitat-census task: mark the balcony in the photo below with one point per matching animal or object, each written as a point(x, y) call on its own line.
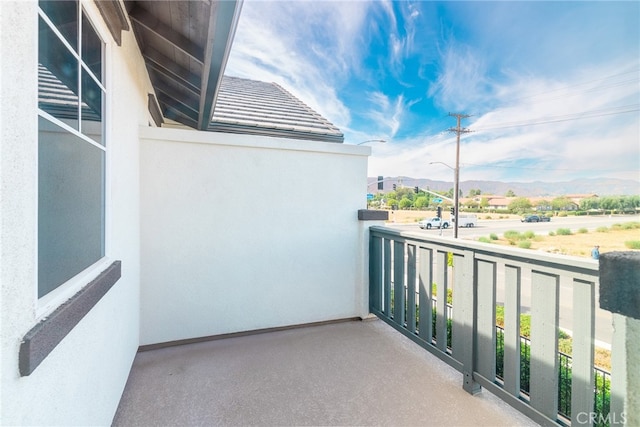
point(347, 373)
point(366, 373)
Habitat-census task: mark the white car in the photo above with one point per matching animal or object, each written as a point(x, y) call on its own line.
point(434, 222)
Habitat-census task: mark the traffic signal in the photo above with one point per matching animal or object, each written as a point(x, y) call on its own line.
point(453, 211)
point(439, 212)
point(416, 189)
point(394, 187)
point(380, 183)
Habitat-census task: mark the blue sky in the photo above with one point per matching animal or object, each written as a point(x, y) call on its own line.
point(552, 88)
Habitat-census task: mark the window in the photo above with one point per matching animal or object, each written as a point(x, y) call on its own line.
point(71, 144)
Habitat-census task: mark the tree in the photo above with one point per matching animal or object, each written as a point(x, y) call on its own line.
point(510, 193)
point(561, 203)
point(421, 202)
point(405, 203)
point(473, 193)
point(520, 204)
point(484, 202)
point(590, 203)
point(543, 205)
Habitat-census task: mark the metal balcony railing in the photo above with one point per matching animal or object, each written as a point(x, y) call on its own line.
point(407, 269)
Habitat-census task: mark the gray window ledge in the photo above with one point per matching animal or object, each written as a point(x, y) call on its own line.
point(371, 215)
point(46, 335)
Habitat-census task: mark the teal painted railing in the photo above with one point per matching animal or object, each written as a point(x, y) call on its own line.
point(405, 270)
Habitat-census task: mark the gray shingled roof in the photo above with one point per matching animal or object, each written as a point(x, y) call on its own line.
point(258, 108)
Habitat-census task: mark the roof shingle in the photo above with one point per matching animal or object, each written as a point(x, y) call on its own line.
point(259, 108)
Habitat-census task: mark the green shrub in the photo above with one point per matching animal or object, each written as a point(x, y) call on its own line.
point(529, 234)
point(563, 213)
point(563, 232)
point(488, 217)
point(524, 244)
point(602, 230)
point(632, 244)
point(513, 235)
point(583, 231)
point(493, 236)
point(630, 225)
point(551, 233)
point(484, 239)
point(616, 227)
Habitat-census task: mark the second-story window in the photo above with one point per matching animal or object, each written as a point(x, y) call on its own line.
point(71, 144)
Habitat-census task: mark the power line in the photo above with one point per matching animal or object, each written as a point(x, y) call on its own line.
point(566, 117)
point(592, 89)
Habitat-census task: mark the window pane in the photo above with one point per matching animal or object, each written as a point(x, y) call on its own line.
point(91, 108)
point(64, 15)
point(70, 205)
point(57, 77)
point(91, 48)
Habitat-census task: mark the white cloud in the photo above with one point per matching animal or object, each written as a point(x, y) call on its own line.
point(306, 47)
point(539, 134)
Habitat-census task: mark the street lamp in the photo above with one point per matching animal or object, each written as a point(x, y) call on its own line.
point(382, 141)
point(456, 191)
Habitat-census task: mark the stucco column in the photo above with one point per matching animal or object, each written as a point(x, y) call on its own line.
point(366, 219)
point(620, 294)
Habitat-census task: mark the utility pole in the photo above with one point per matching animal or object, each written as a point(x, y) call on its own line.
point(456, 182)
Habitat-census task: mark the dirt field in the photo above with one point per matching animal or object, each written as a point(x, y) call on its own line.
point(580, 244)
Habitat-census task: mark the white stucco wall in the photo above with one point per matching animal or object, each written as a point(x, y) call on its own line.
point(81, 381)
point(242, 233)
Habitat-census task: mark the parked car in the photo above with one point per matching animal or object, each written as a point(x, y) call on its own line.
point(434, 222)
point(535, 218)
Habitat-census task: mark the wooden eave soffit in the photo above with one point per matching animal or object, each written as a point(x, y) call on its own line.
point(115, 17)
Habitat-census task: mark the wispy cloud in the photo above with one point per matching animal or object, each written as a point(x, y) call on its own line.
point(545, 130)
point(552, 87)
point(304, 46)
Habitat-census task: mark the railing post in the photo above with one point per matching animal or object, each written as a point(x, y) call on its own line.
point(368, 293)
point(620, 294)
point(465, 301)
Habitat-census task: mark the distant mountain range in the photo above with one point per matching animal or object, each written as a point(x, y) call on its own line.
point(598, 186)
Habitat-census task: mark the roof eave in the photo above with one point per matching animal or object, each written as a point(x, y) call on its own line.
point(222, 26)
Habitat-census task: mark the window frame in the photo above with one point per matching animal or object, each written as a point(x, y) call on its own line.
point(63, 292)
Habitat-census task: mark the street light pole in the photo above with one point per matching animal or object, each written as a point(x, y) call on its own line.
point(456, 184)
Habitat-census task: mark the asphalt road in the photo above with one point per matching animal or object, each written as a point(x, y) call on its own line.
point(486, 227)
point(604, 329)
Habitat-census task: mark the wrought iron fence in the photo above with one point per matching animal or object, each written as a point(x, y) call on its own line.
point(601, 399)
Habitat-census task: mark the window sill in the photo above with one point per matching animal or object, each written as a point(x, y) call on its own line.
point(46, 335)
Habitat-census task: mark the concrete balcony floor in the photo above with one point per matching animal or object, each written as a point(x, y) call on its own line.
point(348, 373)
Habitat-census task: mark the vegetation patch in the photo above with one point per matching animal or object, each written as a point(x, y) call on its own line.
point(632, 244)
point(583, 231)
point(484, 239)
point(524, 244)
point(621, 238)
